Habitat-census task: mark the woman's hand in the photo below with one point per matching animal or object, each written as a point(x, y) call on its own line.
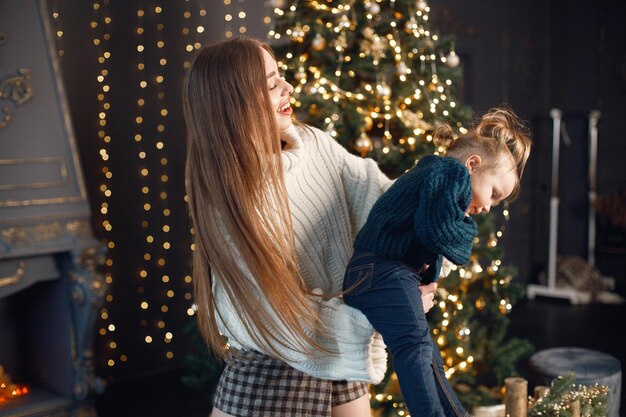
point(428, 295)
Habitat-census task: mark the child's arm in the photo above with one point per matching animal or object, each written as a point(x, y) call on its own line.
point(440, 221)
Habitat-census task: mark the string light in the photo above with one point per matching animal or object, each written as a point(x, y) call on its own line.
point(101, 29)
point(230, 17)
point(188, 35)
point(152, 181)
point(142, 138)
point(379, 45)
point(58, 26)
point(163, 195)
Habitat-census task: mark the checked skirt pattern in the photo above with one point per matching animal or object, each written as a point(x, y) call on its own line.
point(254, 384)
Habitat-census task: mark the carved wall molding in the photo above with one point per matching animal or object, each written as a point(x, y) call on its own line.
point(23, 236)
point(15, 89)
point(87, 291)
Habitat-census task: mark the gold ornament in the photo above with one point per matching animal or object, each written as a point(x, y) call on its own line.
point(345, 22)
point(401, 68)
point(297, 33)
point(369, 123)
point(411, 25)
point(373, 7)
point(452, 60)
point(421, 5)
point(340, 43)
point(318, 43)
point(372, 44)
point(383, 89)
point(363, 144)
point(414, 120)
point(504, 307)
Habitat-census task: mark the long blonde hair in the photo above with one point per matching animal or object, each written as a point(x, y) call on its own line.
point(498, 132)
point(238, 200)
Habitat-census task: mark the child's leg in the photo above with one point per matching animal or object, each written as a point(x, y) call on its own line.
point(389, 296)
point(450, 402)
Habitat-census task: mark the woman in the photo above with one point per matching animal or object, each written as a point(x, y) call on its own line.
point(275, 209)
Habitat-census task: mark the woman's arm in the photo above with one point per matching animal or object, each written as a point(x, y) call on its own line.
point(355, 351)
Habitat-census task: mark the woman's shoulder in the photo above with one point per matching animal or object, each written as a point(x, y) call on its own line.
point(315, 141)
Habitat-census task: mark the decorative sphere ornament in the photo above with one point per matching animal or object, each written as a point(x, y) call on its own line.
point(383, 89)
point(401, 68)
point(363, 143)
point(318, 43)
point(369, 123)
point(277, 3)
point(421, 5)
point(374, 8)
point(297, 33)
point(452, 60)
point(411, 25)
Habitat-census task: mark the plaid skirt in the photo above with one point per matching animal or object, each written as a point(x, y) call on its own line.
point(254, 384)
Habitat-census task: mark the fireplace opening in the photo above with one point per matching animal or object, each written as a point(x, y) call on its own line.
point(36, 347)
point(8, 389)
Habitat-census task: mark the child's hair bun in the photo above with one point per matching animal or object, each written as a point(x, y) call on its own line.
point(508, 130)
point(502, 125)
point(443, 136)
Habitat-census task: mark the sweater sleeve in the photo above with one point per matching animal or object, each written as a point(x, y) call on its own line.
point(440, 221)
point(363, 181)
point(357, 352)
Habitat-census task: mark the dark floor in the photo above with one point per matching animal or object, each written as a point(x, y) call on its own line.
point(544, 322)
point(158, 396)
point(551, 323)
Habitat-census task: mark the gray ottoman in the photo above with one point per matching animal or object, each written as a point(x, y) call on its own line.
point(590, 367)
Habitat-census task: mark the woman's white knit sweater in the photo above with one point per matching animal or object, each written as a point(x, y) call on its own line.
point(330, 195)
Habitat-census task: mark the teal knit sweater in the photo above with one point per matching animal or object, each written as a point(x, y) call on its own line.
point(421, 217)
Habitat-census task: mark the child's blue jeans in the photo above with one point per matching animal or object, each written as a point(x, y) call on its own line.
point(387, 292)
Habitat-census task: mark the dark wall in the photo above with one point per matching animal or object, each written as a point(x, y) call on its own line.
point(539, 55)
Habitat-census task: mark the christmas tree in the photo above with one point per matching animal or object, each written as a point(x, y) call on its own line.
point(378, 79)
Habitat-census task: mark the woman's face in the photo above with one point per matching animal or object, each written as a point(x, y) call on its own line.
point(279, 91)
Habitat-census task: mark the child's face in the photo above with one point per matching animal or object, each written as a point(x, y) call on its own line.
point(489, 186)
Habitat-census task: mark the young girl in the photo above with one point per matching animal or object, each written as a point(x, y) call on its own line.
point(275, 209)
point(422, 218)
